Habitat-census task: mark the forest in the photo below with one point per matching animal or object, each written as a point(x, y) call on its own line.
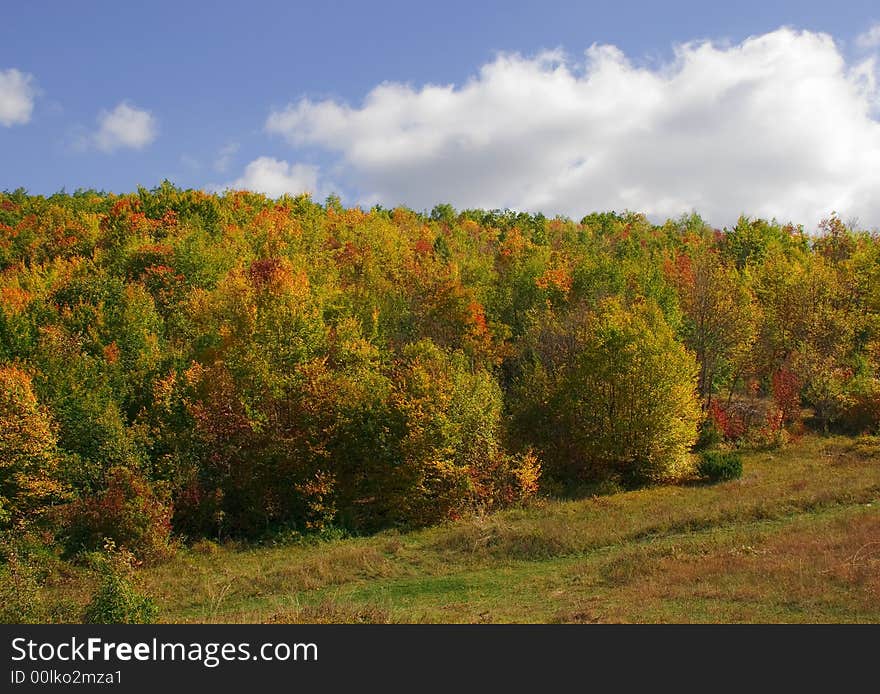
point(179, 367)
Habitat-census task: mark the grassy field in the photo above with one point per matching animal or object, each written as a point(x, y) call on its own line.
point(796, 539)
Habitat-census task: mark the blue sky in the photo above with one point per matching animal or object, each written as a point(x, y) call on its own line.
point(220, 86)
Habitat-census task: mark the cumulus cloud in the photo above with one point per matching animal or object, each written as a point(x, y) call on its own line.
point(870, 38)
point(126, 126)
point(275, 178)
point(779, 125)
point(16, 97)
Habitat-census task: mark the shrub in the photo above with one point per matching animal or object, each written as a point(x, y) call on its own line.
point(130, 511)
point(772, 434)
point(860, 408)
point(752, 422)
point(117, 600)
point(205, 547)
point(709, 435)
point(731, 420)
point(720, 466)
point(28, 565)
point(21, 600)
point(786, 389)
point(607, 393)
point(198, 510)
point(261, 462)
point(428, 447)
point(507, 480)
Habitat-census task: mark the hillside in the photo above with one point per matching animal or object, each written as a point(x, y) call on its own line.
point(796, 539)
point(179, 368)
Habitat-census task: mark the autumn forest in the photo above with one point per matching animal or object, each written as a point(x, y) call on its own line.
point(178, 366)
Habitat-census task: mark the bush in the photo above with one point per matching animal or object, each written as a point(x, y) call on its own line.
point(508, 481)
point(261, 462)
point(117, 600)
point(21, 600)
point(428, 448)
point(720, 466)
point(130, 511)
point(28, 567)
point(709, 435)
point(859, 409)
point(607, 393)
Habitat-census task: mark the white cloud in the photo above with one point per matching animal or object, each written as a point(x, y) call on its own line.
point(870, 38)
point(125, 127)
point(16, 97)
point(275, 178)
point(778, 125)
point(224, 157)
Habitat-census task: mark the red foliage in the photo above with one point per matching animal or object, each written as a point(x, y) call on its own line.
point(124, 206)
point(786, 388)
point(130, 511)
point(111, 353)
point(423, 246)
point(166, 285)
point(477, 320)
point(775, 420)
point(262, 272)
point(512, 246)
point(679, 270)
point(169, 219)
point(728, 422)
point(147, 256)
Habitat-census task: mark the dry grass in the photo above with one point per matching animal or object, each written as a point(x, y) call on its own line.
point(330, 612)
point(824, 569)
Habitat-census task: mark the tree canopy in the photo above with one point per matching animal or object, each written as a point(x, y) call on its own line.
point(230, 364)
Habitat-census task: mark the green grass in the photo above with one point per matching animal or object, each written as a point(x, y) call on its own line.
point(796, 539)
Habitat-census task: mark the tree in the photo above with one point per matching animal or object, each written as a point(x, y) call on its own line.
point(607, 392)
point(720, 315)
point(28, 453)
point(421, 442)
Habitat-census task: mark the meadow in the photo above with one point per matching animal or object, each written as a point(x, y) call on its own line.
point(796, 539)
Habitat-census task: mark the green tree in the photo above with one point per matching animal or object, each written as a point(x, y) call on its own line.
point(608, 393)
point(720, 315)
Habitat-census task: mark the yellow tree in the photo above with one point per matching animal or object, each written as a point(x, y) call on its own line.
point(720, 314)
point(28, 457)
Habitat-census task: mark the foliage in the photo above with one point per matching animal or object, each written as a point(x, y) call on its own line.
point(450, 452)
point(133, 514)
point(29, 568)
point(719, 313)
point(858, 406)
point(786, 394)
point(709, 435)
point(609, 392)
point(188, 364)
point(21, 599)
point(720, 466)
point(117, 600)
point(799, 525)
point(29, 481)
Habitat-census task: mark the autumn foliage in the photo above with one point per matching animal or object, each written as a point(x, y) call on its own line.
point(176, 363)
